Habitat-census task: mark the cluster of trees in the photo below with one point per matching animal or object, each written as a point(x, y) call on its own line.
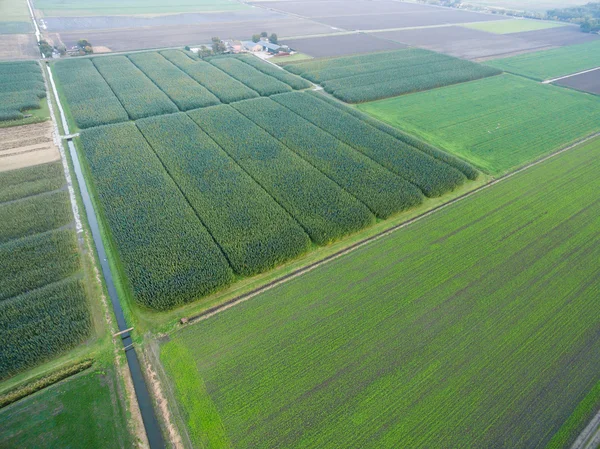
point(588, 16)
point(273, 38)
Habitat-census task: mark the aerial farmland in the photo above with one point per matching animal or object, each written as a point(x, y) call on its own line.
point(299, 224)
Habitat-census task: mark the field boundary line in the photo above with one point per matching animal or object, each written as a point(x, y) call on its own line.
point(589, 438)
point(212, 311)
point(569, 76)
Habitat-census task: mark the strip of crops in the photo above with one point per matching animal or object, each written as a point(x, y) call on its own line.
point(140, 96)
point(41, 324)
point(167, 254)
point(293, 81)
point(21, 88)
point(357, 79)
point(322, 207)
point(468, 170)
point(265, 85)
point(431, 175)
point(226, 88)
point(35, 261)
point(423, 339)
point(496, 123)
point(29, 181)
point(184, 91)
point(253, 231)
point(34, 215)
point(381, 190)
point(89, 98)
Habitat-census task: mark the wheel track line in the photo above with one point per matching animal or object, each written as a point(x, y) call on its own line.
point(301, 271)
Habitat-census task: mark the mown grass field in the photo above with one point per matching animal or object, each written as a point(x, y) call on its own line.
point(512, 26)
point(554, 63)
point(474, 327)
point(360, 78)
point(497, 123)
point(84, 411)
point(74, 8)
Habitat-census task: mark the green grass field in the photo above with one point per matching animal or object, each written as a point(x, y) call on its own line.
point(473, 327)
point(73, 8)
point(497, 123)
point(80, 412)
point(512, 26)
point(550, 64)
point(14, 17)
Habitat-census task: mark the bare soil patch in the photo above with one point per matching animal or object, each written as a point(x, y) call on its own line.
point(557, 37)
point(346, 44)
point(587, 82)
point(24, 146)
point(315, 9)
point(18, 46)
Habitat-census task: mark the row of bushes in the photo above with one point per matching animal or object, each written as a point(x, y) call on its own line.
point(254, 232)
point(379, 189)
point(91, 100)
point(41, 324)
point(21, 88)
point(182, 90)
point(224, 87)
point(167, 254)
point(431, 175)
point(323, 208)
point(264, 84)
point(139, 96)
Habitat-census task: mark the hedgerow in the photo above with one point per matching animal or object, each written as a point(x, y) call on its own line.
point(323, 208)
point(431, 175)
point(224, 87)
point(167, 254)
point(35, 261)
point(184, 91)
point(467, 169)
point(89, 98)
point(379, 189)
point(15, 184)
point(356, 79)
point(293, 81)
point(34, 215)
point(41, 324)
point(21, 88)
point(253, 231)
point(265, 85)
point(138, 94)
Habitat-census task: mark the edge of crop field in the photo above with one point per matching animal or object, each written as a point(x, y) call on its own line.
point(212, 311)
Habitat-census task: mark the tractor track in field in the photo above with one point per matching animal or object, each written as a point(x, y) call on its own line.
point(208, 313)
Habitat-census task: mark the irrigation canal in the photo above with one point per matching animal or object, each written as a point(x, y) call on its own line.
point(153, 432)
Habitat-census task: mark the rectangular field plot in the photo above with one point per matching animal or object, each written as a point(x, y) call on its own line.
point(553, 63)
point(43, 305)
point(513, 26)
point(21, 88)
point(497, 123)
point(421, 339)
point(356, 79)
point(586, 82)
point(346, 44)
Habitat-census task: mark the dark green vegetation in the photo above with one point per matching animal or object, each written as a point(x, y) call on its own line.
point(182, 90)
point(226, 88)
point(43, 213)
point(497, 123)
point(554, 63)
point(90, 99)
point(43, 306)
point(323, 208)
point(254, 232)
point(168, 255)
point(29, 181)
point(21, 88)
point(80, 412)
point(421, 339)
point(254, 79)
point(431, 175)
point(293, 81)
point(382, 191)
point(355, 79)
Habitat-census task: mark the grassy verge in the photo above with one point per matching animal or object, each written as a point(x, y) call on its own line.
point(37, 116)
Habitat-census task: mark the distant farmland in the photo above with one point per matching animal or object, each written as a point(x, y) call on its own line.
point(497, 123)
point(355, 79)
point(241, 172)
point(473, 328)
